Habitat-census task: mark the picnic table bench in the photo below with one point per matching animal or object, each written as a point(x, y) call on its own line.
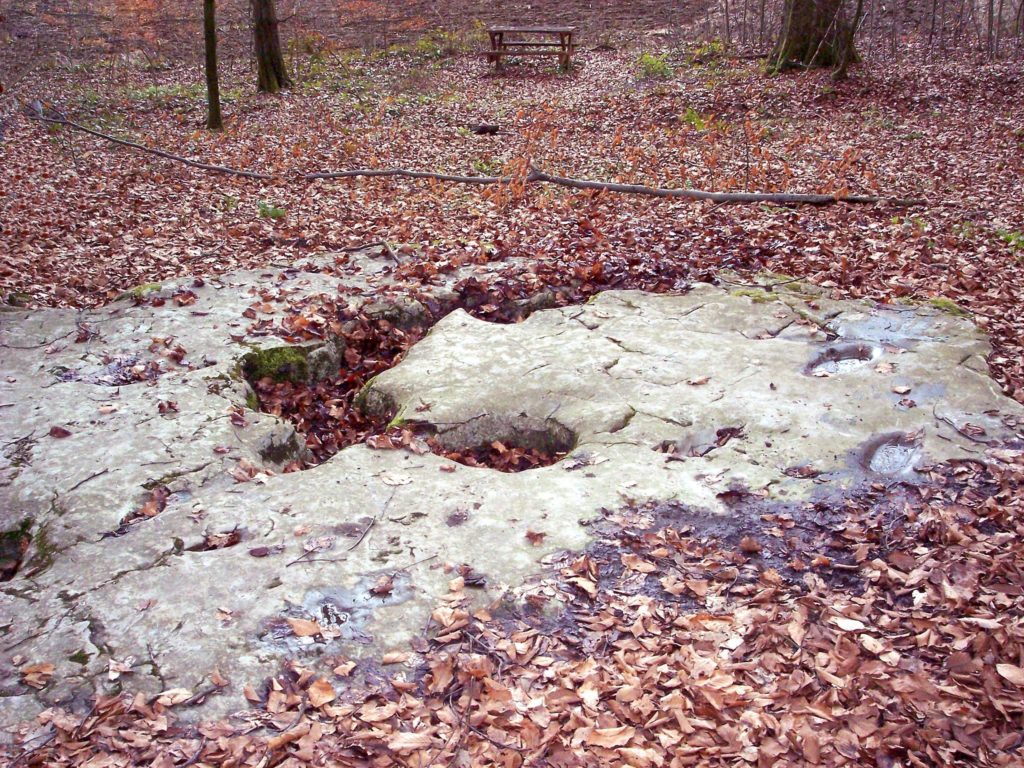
point(531, 41)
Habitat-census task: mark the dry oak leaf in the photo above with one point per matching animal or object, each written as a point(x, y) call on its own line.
point(304, 627)
point(535, 537)
point(37, 675)
point(636, 563)
point(173, 696)
point(395, 657)
point(408, 742)
point(1012, 673)
point(344, 669)
point(849, 625)
point(609, 737)
point(321, 692)
point(441, 674)
point(371, 713)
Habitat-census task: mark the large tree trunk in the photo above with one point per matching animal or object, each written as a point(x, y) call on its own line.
point(815, 33)
point(269, 62)
point(213, 118)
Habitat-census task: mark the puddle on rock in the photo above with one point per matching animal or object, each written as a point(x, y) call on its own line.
point(842, 358)
point(892, 454)
point(341, 614)
point(118, 372)
point(890, 326)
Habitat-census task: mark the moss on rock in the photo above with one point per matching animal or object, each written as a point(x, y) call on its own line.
point(756, 295)
point(278, 364)
point(140, 292)
point(19, 299)
point(948, 305)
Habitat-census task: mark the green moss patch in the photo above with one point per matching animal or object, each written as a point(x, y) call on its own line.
point(948, 305)
point(140, 292)
point(756, 295)
point(277, 364)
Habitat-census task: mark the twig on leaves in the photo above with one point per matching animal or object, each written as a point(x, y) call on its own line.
point(418, 562)
point(495, 742)
point(36, 748)
point(195, 758)
point(90, 713)
point(298, 718)
point(198, 697)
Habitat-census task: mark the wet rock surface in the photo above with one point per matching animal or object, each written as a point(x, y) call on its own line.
point(151, 537)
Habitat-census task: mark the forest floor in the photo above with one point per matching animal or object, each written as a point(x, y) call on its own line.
point(914, 657)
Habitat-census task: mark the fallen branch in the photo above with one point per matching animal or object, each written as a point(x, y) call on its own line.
point(151, 150)
point(774, 198)
point(534, 176)
point(377, 173)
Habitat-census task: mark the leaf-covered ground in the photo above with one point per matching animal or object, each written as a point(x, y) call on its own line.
point(82, 220)
point(884, 630)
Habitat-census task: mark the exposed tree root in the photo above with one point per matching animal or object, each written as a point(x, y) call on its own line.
point(534, 176)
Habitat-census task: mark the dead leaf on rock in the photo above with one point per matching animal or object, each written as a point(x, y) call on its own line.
point(37, 675)
point(304, 627)
point(536, 538)
point(321, 692)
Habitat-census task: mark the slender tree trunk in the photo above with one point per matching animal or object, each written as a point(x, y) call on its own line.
point(932, 27)
point(999, 28)
point(271, 73)
point(990, 31)
point(814, 34)
point(847, 52)
point(213, 119)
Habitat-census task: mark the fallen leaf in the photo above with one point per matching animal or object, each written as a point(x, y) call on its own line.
point(321, 692)
point(304, 627)
point(1012, 673)
point(408, 742)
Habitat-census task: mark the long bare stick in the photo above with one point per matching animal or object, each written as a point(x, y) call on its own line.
point(152, 151)
point(535, 175)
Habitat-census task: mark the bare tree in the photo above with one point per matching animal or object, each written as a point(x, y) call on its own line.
point(213, 117)
point(815, 33)
point(271, 72)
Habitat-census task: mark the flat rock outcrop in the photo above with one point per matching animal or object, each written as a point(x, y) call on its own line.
point(151, 538)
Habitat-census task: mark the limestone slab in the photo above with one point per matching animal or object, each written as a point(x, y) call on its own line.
point(692, 398)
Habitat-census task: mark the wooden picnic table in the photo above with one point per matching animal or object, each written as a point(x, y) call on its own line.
point(531, 41)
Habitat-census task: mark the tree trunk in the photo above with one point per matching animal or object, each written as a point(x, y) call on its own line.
point(814, 33)
point(272, 75)
point(847, 53)
point(213, 117)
